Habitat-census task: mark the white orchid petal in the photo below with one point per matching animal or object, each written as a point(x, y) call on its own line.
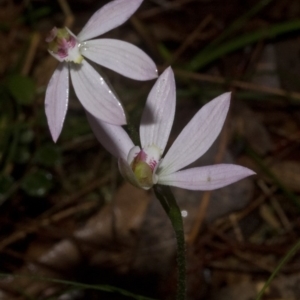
point(112, 137)
point(127, 172)
point(206, 178)
point(108, 17)
point(56, 100)
point(121, 57)
point(197, 136)
point(158, 115)
point(95, 95)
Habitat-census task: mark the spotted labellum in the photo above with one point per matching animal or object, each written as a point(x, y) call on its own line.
point(91, 89)
point(147, 165)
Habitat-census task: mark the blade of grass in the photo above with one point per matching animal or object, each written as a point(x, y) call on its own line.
point(237, 24)
point(289, 255)
point(202, 59)
point(102, 287)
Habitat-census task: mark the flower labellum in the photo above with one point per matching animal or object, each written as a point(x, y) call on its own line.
point(63, 45)
point(144, 166)
point(90, 88)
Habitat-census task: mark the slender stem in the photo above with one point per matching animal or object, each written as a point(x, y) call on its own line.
point(168, 202)
point(288, 256)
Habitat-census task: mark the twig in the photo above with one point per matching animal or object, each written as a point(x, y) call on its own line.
point(78, 194)
point(239, 84)
point(158, 10)
point(236, 228)
point(224, 225)
point(67, 12)
point(265, 168)
point(189, 40)
point(147, 38)
point(256, 262)
point(283, 218)
point(35, 226)
point(35, 39)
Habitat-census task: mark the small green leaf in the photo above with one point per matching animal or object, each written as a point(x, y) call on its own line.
point(37, 184)
point(22, 154)
point(75, 125)
point(6, 182)
point(22, 88)
point(164, 52)
point(27, 136)
point(48, 155)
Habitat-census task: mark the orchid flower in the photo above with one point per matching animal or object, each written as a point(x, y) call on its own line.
point(144, 166)
point(90, 88)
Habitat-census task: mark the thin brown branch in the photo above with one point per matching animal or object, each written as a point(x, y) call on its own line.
point(239, 84)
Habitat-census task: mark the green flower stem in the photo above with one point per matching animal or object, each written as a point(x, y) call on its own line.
point(168, 202)
point(289, 255)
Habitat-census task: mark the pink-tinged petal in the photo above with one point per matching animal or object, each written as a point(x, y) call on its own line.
point(121, 57)
point(206, 178)
point(158, 115)
point(112, 137)
point(56, 100)
point(197, 136)
point(127, 172)
point(133, 152)
point(95, 95)
point(108, 17)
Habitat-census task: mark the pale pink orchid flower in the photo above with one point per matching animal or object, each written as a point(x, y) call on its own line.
point(92, 91)
point(144, 166)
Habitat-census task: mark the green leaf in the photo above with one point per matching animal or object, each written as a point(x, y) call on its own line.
point(22, 154)
point(27, 136)
point(37, 184)
point(75, 125)
point(48, 155)
point(22, 89)
point(34, 15)
point(203, 58)
point(6, 183)
point(164, 52)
